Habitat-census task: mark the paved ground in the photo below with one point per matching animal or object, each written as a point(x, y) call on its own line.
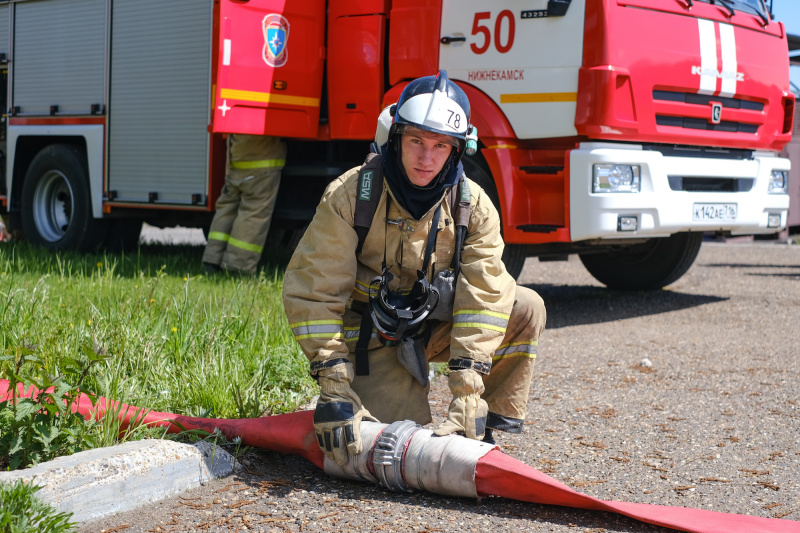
point(713, 423)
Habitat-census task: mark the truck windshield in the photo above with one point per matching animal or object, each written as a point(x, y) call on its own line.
point(754, 7)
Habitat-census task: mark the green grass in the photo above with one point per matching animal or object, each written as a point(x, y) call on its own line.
point(149, 329)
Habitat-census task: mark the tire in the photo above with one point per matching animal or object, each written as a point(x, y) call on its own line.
point(514, 255)
point(56, 208)
point(648, 266)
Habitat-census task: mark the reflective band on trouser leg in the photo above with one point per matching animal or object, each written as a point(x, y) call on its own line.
point(241, 256)
point(508, 385)
point(218, 236)
point(317, 329)
point(215, 248)
point(362, 287)
point(246, 246)
point(227, 207)
point(516, 349)
point(263, 163)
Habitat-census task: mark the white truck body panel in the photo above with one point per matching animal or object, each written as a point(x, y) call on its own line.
point(535, 82)
point(660, 210)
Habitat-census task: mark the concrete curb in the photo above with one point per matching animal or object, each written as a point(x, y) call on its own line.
point(97, 483)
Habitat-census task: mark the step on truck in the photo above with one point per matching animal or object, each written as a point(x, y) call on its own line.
point(618, 130)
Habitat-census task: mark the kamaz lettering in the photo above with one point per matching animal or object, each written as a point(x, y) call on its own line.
point(725, 74)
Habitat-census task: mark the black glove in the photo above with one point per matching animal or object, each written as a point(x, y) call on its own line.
point(337, 418)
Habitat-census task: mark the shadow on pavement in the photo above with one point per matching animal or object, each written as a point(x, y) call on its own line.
point(570, 305)
point(780, 271)
point(747, 265)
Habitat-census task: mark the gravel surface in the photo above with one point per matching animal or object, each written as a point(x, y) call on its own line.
point(688, 397)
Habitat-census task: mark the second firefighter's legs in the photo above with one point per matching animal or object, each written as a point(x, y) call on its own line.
point(249, 230)
point(244, 210)
point(219, 233)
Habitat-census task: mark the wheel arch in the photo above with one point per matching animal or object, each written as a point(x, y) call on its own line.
point(24, 142)
point(485, 114)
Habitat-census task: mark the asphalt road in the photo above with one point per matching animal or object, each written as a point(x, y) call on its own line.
point(712, 423)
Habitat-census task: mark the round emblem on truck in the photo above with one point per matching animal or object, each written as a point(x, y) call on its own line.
point(276, 34)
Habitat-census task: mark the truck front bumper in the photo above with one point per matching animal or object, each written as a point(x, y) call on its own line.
point(663, 206)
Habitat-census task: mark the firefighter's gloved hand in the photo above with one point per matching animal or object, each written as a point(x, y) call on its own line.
point(468, 411)
point(338, 416)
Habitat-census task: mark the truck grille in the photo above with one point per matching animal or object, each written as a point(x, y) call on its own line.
point(706, 184)
point(704, 100)
point(702, 124)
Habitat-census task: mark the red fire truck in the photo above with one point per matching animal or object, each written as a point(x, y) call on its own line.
point(620, 130)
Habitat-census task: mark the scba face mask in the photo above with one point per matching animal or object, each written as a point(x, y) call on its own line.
point(397, 315)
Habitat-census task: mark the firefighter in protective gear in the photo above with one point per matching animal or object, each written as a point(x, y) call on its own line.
point(244, 209)
point(488, 331)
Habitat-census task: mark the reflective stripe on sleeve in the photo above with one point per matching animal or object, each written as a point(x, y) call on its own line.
point(262, 163)
point(318, 329)
point(481, 319)
point(516, 349)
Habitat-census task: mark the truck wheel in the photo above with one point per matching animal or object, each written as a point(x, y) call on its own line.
point(56, 208)
point(514, 254)
point(648, 266)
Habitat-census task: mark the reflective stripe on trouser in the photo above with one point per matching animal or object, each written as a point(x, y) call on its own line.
point(390, 393)
point(244, 209)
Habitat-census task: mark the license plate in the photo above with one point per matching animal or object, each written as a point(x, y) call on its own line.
point(714, 212)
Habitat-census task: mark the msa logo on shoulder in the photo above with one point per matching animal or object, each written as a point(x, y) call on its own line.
point(366, 186)
point(716, 112)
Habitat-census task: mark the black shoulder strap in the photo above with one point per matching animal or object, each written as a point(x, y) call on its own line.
point(370, 188)
point(460, 207)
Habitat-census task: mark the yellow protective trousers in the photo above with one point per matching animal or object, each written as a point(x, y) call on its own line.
point(244, 209)
point(390, 393)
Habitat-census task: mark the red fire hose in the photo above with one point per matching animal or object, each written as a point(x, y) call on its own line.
point(495, 473)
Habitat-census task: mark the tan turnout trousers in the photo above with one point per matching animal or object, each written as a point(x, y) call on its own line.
point(244, 209)
point(390, 393)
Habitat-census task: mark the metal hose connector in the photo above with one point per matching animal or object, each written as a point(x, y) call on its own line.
point(406, 457)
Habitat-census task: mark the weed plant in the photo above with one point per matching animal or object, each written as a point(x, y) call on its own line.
point(147, 329)
point(21, 511)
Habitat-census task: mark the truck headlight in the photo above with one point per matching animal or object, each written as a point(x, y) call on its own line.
point(616, 178)
point(779, 182)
